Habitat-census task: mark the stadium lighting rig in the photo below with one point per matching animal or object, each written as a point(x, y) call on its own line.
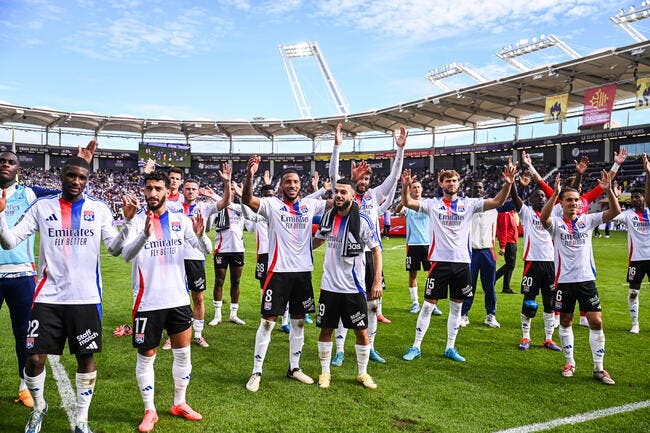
point(624, 19)
point(435, 75)
point(309, 49)
point(509, 54)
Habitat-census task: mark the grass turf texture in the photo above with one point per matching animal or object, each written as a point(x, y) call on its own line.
point(498, 387)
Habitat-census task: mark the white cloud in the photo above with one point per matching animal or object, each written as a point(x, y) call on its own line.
point(243, 5)
point(280, 7)
point(423, 20)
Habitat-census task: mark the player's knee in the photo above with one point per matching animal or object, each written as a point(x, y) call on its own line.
point(529, 308)
point(633, 294)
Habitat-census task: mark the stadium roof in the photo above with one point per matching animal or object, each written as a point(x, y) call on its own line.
point(505, 99)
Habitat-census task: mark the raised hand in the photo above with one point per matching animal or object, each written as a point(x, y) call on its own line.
point(619, 158)
point(358, 170)
point(327, 185)
point(525, 179)
point(581, 167)
point(198, 224)
point(406, 178)
point(525, 159)
point(3, 200)
point(400, 140)
point(557, 187)
point(238, 188)
point(149, 166)
point(225, 172)
point(314, 181)
point(207, 191)
point(87, 153)
point(617, 189)
point(338, 135)
point(130, 205)
point(509, 172)
point(148, 224)
point(646, 164)
point(253, 165)
point(267, 178)
point(605, 182)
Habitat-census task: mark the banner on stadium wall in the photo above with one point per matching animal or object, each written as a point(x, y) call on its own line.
point(642, 93)
point(556, 108)
point(598, 105)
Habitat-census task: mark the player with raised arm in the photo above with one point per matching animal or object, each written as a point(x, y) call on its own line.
point(345, 231)
point(637, 220)
point(290, 264)
point(156, 246)
point(369, 200)
point(450, 220)
point(575, 271)
point(194, 258)
point(67, 299)
point(539, 270)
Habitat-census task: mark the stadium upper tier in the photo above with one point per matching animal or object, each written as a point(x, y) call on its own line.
point(509, 99)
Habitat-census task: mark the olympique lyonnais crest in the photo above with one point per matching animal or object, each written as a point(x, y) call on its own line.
point(89, 215)
point(139, 338)
point(176, 226)
point(30, 342)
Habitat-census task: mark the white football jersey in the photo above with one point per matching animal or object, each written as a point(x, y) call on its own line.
point(206, 209)
point(538, 246)
point(290, 229)
point(450, 225)
point(574, 256)
point(231, 239)
point(638, 233)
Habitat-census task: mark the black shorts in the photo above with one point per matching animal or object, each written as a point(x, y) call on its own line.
point(370, 273)
point(195, 275)
point(50, 325)
point(585, 292)
point(417, 257)
point(222, 260)
point(537, 276)
point(292, 287)
point(455, 276)
point(148, 325)
point(261, 266)
point(350, 308)
point(637, 270)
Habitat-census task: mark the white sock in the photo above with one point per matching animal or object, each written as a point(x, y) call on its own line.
point(340, 334)
point(325, 355)
point(422, 324)
point(22, 385)
point(85, 386)
point(413, 291)
point(262, 340)
point(373, 311)
point(379, 305)
point(233, 310)
point(35, 385)
point(453, 323)
point(566, 338)
point(285, 316)
point(217, 309)
point(296, 341)
point(198, 327)
point(145, 376)
point(525, 326)
point(363, 356)
point(549, 325)
point(181, 371)
point(597, 344)
point(633, 305)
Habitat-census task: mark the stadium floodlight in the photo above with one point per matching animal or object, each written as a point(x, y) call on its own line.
point(309, 49)
point(509, 54)
point(435, 75)
point(624, 19)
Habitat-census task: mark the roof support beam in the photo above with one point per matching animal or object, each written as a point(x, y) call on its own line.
point(449, 119)
point(403, 121)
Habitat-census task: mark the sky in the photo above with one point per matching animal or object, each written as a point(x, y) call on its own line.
point(219, 59)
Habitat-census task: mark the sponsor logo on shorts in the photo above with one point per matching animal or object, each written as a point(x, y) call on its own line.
point(357, 318)
point(218, 260)
point(308, 304)
point(267, 306)
point(467, 291)
point(30, 342)
point(92, 346)
point(87, 337)
point(139, 338)
point(558, 305)
point(595, 300)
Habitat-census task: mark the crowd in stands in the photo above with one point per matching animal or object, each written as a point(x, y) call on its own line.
point(110, 185)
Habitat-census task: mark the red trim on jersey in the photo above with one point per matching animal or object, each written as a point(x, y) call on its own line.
point(527, 251)
point(629, 259)
point(433, 265)
point(40, 285)
point(432, 247)
point(174, 197)
point(559, 268)
point(526, 267)
point(257, 242)
point(218, 247)
point(269, 273)
point(138, 298)
point(157, 228)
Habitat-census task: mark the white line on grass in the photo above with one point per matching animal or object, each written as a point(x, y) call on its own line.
point(576, 419)
point(398, 247)
point(68, 396)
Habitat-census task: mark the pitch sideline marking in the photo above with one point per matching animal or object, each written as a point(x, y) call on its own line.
point(68, 396)
point(580, 418)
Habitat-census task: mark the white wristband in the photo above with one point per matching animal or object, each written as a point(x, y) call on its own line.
point(615, 168)
point(532, 170)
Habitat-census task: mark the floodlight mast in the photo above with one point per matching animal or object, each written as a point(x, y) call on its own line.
point(435, 75)
point(509, 54)
point(310, 49)
point(623, 20)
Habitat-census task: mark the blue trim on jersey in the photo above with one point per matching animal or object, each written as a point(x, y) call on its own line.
point(98, 281)
point(356, 281)
point(99, 310)
point(76, 214)
point(164, 225)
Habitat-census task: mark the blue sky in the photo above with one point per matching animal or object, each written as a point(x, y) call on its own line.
point(218, 59)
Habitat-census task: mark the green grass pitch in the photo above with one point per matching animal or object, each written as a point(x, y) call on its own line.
point(498, 387)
